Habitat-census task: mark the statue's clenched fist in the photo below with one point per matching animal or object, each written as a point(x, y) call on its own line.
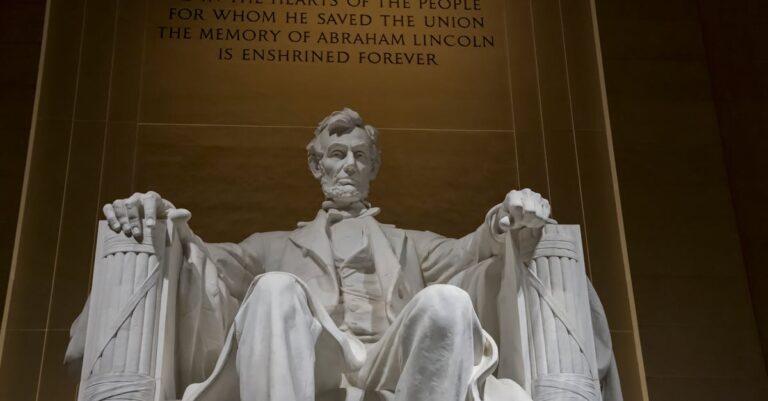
point(127, 215)
point(523, 208)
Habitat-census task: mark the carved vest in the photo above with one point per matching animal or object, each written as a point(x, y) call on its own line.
point(362, 296)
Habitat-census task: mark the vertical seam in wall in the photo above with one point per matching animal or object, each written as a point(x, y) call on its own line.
point(140, 97)
point(617, 201)
point(511, 97)
point(25, 182)
point(63, 202)
point(541, 107)
point(575, 143)
point(106, 135)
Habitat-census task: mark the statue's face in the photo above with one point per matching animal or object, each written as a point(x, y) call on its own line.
point(347, 165)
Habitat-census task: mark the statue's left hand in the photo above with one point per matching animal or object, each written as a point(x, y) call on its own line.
point(521, 209)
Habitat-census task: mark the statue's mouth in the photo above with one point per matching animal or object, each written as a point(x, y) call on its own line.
point(346, 181)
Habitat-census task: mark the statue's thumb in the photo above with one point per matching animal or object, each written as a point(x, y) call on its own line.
point(504, 223)
point(179, 215)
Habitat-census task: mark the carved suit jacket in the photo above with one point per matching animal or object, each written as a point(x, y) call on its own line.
point(405, 260)
point(216, 277)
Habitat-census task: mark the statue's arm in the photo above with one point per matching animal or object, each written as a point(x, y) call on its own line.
point(443, 258)
point(213, 283)
point(238, 263)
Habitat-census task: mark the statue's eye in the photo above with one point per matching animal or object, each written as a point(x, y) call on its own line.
point(337, 154)
point(359, 155)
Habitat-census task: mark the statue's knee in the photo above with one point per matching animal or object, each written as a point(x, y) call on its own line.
point(445, 306)
point(275, 297)
point(275, 286)
point(444, 296)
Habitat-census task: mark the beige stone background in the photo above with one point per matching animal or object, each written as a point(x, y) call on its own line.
point(121, 111)
point(105, 125)
point(687, 94)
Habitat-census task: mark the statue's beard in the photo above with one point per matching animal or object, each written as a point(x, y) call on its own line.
point(341, 193)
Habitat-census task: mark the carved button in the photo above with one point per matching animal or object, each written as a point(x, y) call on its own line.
point(354, 307)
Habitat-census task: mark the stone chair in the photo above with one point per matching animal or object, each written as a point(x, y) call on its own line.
point(536, 302)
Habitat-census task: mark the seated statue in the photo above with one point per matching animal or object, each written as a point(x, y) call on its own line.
point(347, 308)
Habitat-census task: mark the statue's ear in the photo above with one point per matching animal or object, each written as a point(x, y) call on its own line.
point(376, 166)
point(376, 163)
point(314, 165)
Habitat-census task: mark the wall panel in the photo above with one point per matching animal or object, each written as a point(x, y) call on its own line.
point(695, 318)
point(226, 140)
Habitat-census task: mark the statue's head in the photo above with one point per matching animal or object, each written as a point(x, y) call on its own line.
point(344, 156)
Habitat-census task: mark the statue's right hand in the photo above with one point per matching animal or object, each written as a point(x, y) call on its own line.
point(127, 215)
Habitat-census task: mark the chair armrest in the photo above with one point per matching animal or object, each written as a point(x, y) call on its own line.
point(129, 340)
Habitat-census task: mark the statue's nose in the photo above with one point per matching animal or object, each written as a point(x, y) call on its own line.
point(350, 168)
point(349, 164)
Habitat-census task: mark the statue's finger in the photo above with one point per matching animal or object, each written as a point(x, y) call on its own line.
point(134, 217)
point(109, 213)
point(134, 198)
point(150, 201)
point(542, 211)
point(539, 200)
point(505, 224)
point(121, 211)
point(530, 203)
point(167, 206)
point(514, 199)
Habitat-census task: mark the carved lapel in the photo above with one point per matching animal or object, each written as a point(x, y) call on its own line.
point(312, 238)
point(396, 239)
point(387, 250)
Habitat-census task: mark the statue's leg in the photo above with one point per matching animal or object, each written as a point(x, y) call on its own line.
point(428, 352)
point(276, 336)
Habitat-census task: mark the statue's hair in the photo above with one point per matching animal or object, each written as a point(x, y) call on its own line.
point(340, 123)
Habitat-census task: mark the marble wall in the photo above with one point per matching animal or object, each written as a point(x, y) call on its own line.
point(21, 31)
point(734, 33)
point(697, 323)
point(122, 111)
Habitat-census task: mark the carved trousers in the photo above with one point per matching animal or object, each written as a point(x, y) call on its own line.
point(426, 354)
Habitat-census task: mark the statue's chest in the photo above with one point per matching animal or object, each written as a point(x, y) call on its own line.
point(362, 299)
